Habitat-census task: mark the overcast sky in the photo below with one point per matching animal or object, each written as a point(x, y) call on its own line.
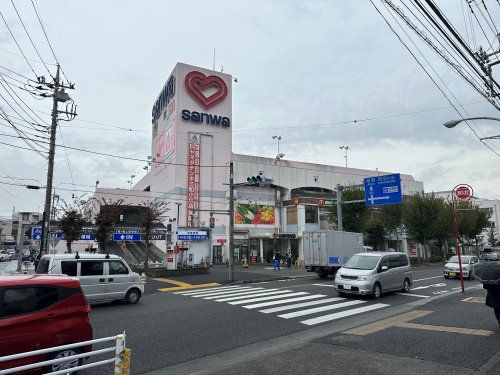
point(298, 64)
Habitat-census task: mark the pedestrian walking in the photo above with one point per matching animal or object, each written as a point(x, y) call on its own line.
point(277, 258)
point(288, 259)
point(493, 299)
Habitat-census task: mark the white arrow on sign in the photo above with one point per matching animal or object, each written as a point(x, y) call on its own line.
point(372, 198)
point(429, 286)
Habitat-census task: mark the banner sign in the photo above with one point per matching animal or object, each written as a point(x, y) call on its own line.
point(191, 235)
point(193, 194)
point(254, 214)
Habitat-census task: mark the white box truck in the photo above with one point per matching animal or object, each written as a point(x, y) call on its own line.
point(325, 252)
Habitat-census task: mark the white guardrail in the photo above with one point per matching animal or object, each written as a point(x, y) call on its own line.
point(121, 359)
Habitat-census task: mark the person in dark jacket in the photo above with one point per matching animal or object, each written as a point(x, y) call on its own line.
point(277, 259)
point(493, 299)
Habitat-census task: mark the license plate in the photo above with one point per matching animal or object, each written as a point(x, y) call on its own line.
point(348, 287)
point(452, 274)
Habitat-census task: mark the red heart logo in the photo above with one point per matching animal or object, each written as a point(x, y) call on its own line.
point(196, 83)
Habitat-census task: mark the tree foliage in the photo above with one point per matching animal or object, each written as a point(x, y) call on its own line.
point(106, 220)
point(391, 217)
point(72, 221)
point(374, 231)
point(150, 214)
point(353, 214)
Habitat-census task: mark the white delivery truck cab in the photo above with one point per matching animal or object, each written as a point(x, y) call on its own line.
point(326, 251)
point(103, 277)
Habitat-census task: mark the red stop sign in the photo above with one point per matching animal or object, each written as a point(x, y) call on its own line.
point(463, 192)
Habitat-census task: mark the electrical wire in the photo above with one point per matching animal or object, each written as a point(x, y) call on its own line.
point(29, 37)
point(18, 46)
point(67, 159)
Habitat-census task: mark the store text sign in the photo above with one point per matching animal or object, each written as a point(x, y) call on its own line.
point(193, 185)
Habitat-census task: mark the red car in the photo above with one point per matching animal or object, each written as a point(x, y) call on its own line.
point(41, 311)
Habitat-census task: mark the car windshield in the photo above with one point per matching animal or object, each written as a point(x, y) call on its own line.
point(455, 259)
point(362, 262)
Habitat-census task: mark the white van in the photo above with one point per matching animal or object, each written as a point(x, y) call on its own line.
point(103, 277)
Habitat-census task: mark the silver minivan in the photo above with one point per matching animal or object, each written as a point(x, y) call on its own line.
point(374, 274)
point(491, 253)
point(103, 277)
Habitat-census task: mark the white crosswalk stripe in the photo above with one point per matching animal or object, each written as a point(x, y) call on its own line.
point(319, 309)
point(282, 301)
point(270, 301)
point(343, 314)
point(304, 304)
point(219, 293)
point(254, 294)
point(241, 293)
point(268, 298)
point(194, 291)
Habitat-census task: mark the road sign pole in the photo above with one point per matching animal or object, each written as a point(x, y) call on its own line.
point(457, 246)
point(340, 226)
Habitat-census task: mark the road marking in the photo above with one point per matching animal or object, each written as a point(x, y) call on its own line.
point(428, 278)
point(282, 301)
point(429, 286)
point(268, 298)
point(219, 293)
point(393, 321)
point(403, 321)
point(343, 314)
point(328, 285)
point(262, 293)
point(412, 295)
point(298, 305)
point(183, 286)
point(204, 290)
point(237, 293)
point(207, 292)
point(320, 309)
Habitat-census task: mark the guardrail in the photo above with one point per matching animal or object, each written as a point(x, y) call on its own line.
point(121, 359)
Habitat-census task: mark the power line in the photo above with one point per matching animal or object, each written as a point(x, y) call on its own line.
point(18, 46)
point(67, 160)
point(29, 37)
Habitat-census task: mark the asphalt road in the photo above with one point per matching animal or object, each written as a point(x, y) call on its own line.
point(170, 328)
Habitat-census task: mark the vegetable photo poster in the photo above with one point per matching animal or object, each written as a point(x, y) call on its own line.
point(254, 214)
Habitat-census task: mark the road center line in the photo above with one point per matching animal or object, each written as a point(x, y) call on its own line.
point(428, 278)
point(412, 295)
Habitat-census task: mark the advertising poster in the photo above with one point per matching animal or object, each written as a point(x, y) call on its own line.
point(193, 196)
point(160, 148)
point(169, 141)
point(254, 214)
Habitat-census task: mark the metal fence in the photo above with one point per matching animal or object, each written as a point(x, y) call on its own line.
point(121, 357)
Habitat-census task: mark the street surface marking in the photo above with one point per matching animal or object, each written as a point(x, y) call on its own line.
point(429, 286)
point(236, 293)
point(343, 314)
point(181, 285)
point(328, 285)
point(412, 295)
point(204, 290)
point(465, 331)
point(269, 298)
point(394, 321)
point(260, 294)
point(298, 305)
point(219, 293)
point(475, 299)
point(428, 278)
point(282, 301)
point(320, 309)
point(402, 321)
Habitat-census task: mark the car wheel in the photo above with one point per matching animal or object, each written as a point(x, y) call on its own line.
point(377, 291)
point(65, 365)
point(342, 294)
point(323, 274)
point(406, 286)
point(446, 276)
point(133, 296)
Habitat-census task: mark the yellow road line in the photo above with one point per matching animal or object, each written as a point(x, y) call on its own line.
point(465, 331)
point(188, 286)
point(170, 281)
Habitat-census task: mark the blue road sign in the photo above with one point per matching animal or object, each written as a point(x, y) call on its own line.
point(57, 235)
point(382, 190)
point(126, 237)
point(88, 236)
point(36, 234)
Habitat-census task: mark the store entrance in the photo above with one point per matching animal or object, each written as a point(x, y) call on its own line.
point(217, 254)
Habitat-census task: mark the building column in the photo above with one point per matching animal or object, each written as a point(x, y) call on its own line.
point(261, 250)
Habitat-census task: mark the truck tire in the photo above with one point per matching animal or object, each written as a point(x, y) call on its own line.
point(323, 274)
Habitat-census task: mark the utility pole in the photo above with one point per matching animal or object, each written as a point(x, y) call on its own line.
point(58, 95)
point(340, 227)
point(231, 223)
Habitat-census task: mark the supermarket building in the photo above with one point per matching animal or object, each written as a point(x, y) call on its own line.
point(191, 148)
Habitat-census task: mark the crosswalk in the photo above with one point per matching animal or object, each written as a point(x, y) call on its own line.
point(285, 303)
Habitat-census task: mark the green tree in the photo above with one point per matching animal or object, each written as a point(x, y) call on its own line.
point(391, 217)
point(492, 237)
point(105, 221)
point(374, 231)
point(353, 214)
point(150, 215)
point(71, 224)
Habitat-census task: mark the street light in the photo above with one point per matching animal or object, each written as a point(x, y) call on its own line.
point(452, 123)
point(278, 138)
point(345, 148)
point(131, 181)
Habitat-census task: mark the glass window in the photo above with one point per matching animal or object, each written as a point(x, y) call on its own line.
point(43, 266)
point(362, 262)
point(311, 214)
point(91, 268)
point(291, 215)
point(17, 301)
point(394, 261)
point(383, 262)
point(68, 268)
point(404, 260)
point(326, 218)
point(25, 216)
point(117, 268)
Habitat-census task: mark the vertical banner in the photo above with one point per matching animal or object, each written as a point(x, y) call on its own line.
point(193, 193)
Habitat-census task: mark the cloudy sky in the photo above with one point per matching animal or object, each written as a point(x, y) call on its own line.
point(302, 67)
